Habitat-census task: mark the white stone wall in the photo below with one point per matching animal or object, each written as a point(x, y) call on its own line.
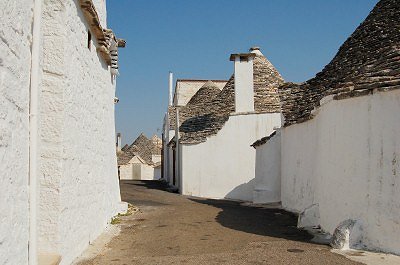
point(147, 172)
point(156, 158)
point(346, 160)
point(15, 61)
point(138, 171)
point(224, 165)
point(79, 185)
point(126, 172)
point(268, 171)
point(101, 9)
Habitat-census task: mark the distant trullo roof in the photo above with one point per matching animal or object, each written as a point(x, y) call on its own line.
point(207, 118)
point(369, 59)
point(142, 147)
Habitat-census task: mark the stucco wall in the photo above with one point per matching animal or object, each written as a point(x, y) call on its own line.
point(15, 61)
point(147, 172)
point(224, 165)
point(268, 171)
point(346, 160)
point(101, 9)
point(126, 172)
point(79, 185)
point(138, 171)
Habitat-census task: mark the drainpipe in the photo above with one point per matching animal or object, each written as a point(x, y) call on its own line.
point(33, 133)
point(165, 146)
point(177, 160)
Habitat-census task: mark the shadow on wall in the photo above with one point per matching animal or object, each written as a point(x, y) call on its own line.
point(243, 192)
point(257, 220)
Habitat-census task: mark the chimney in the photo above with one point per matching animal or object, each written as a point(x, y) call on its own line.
point(119, 142)
point(171, 77)
point(244, 88)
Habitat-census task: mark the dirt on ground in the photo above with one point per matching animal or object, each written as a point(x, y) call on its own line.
point(174, 229)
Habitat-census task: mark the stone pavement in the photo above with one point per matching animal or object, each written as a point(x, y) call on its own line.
point(174, 229)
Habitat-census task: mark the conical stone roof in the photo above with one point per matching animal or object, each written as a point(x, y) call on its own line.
point(142, 147)
point(369, 59)
point(197, 125)
point(205, 94)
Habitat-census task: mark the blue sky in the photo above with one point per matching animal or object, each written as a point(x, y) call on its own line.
point(194, 38)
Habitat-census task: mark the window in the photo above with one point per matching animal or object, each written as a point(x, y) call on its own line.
point(89, 40)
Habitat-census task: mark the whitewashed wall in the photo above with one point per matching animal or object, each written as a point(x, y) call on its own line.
point(79, 185)
point(126, 172)
point(135, 170)
point(15, 62)
point(346, 160)
point(224, 165)
point(268, 171)
point(101, 9)
point(147, 172)
point(156, 158)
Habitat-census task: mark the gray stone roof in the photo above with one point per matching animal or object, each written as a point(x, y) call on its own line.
point(125, 147)
point(205, 94)
point(199, 121)
point(263, 140)
point(369, 59)
point(142, 147)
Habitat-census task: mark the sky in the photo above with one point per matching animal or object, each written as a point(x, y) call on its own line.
point(194, 39)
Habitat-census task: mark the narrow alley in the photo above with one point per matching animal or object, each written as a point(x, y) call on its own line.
point(174, 229)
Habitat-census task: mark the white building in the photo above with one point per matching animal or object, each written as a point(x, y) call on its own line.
point(58, 170)
point(339, 148)
point(141, 160)
point(213, 157)
point(184, 91)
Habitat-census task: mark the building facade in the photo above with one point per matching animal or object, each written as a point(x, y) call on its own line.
point(59, 177)
point(211, 153)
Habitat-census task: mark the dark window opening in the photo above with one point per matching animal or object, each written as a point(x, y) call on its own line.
point(89, 40)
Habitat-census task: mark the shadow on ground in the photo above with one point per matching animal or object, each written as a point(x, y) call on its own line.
point(149, 184)
point(257, 220)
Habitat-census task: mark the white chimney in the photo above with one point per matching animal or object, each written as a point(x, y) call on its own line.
point(171, 77)
point(118, 142)
point(244, 87)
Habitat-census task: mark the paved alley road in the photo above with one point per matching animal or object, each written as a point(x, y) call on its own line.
point(173, 229)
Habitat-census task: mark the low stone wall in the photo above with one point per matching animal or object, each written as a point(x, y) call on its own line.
point(267, 188)
point(346, 162)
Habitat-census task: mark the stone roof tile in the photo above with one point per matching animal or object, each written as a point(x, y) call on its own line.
point(369, 59)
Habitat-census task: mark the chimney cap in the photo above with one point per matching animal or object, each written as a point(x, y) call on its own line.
point(254, 48)
point(243, 56)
